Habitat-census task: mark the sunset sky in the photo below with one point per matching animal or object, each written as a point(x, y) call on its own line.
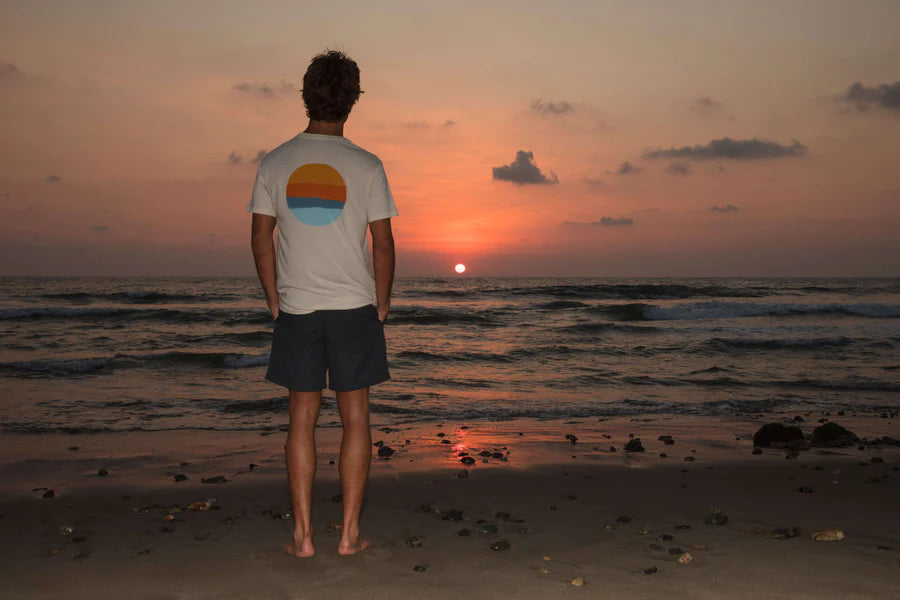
point(696, 138)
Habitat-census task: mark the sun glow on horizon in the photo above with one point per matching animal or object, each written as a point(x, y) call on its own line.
point(460, 268)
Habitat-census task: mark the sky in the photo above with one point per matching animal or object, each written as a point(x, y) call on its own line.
point(608, 139)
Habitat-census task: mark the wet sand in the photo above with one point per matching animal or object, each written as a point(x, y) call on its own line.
point(132, 537)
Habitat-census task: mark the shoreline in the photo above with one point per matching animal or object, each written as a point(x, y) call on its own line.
point(134, 537)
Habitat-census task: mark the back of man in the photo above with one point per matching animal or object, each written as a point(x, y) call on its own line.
point(322, 191)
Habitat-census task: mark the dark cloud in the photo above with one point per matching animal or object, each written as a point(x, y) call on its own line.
point(731, 149)
point(551, 108)
point(260, 154)
point(728, 208)
point(679, 168)
point(523, 171)
point(626, 168)
point(604, 221)
point(265, 89)
point(706, 105)
point(235, 158)
point(53, 179)
point(449, 123)
point(100, 228)
point(882, 96)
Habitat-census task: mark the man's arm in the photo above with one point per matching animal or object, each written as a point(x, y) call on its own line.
point(262, 241)
point(383, 262)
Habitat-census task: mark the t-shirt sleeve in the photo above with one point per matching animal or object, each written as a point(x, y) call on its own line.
point(380, 203)
point(261, 201)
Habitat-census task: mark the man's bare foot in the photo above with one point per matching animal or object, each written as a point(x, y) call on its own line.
point(302, 548)
point(346, 548)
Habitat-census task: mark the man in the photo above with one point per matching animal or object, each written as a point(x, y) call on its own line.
point(323, 191)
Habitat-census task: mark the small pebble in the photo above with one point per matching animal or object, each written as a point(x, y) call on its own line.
point(578, 582)
point(500, 545)
point(650, 570)
point(102, 472)
point(686, 559)
point(419, 568)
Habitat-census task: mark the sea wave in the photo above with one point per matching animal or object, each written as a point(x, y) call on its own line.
point(224, 316)
point(140, 297)
point(732, 310)
point(94, 365)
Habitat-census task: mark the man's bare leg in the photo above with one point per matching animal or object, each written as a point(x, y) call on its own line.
point(300, 452)
point(356, 454)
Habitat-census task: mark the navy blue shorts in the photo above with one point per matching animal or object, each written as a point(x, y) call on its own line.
point(347, 344)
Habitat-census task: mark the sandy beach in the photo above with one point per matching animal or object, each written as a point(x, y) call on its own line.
point(566, 510)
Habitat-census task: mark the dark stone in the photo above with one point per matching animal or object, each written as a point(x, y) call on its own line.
point(497, 455)
point(776, 433)
point(689, 459)
point(500, 545)
point(73, 447)
point(49, 493)
point(612, 448)
point(502, 515)
point(786, 533)
point(467, 460)
point(805, 489)
point(650, 570)
point(385, 452)
point(676, 551)
point(756, 451)
point(337, 498)
point(485, 453)
point(634, 445)
point(413, 542)
point(180, 477)
point(664, 538)
point(102, 472)
point(214, 479)
point(420, 568)
point(798, 419)
point(663, 455)
point(378, 444)
point(832, 435)
point(798, 445)
point(441, 434)
point(623, 519)
point(251, 466)
point(668, 440)
point(572, 438)
point(454, 514)
point(715, 518)
point(655, 546)
point(446, 442)
point(487, 529)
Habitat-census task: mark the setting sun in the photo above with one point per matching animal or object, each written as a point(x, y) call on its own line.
point(460, 268)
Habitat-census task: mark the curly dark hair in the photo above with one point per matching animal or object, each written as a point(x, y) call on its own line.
point(331, 87)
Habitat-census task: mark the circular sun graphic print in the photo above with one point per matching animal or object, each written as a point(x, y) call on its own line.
point(316, 194)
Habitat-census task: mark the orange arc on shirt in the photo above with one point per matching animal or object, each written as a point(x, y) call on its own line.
point(317, 190)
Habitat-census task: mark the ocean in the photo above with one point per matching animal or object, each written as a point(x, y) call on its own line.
point(122, 354)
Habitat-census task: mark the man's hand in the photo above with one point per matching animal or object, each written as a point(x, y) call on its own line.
point(383, 311)
point(273, 308)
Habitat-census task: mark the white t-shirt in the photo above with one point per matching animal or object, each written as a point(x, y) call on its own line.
point(323, 190)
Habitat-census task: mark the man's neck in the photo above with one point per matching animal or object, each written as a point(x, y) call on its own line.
point(325, 128)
